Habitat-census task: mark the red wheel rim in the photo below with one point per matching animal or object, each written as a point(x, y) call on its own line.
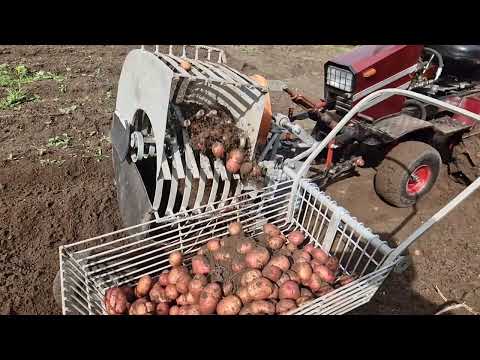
point(418, 179)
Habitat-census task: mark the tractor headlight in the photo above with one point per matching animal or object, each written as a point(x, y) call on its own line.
point(340, 78)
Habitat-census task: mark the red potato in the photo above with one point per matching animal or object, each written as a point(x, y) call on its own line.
point(201, 251)
point(175, 274)
point(213, 289)
point(230, 305)
point(320, 255)
point(291, 247)
point(234, 228)
point(115, 301)
point(283, 279)
point(289, 290)
point(303, 299)
point(245, 246)
point(182, 283)
point(261, 307)
point(316, 282)
point(144, 285)
point(222, 255)
point(309, 247)
point(236, 155)
point(249, 276)
point(213, 245)
point(296, 237)
point(275, 242)
point(301, 256)
point(272, 272)
point(162, 309)
point(274, 295)
point(163, 278)
point(191, 299)
point(193, 310)
point(238, 265)
point(256, 171)
point(171, 292)
point(197, 284)
point(325, 273)
point(175, 258)
point(182, 300)
point(142, 307)
point(184, 310)
point(227, 288)
point(285, 305)
point(200, 265)
point(218, 150)
point(174, 310)
point(304, 271)
point(271, 230)
point(293, 276)
point(207, 303)
point(257, 258)
point(280, 261)
point(129, 293)
point(325, 289)
point(345, 279)
point(158, 294)
point(305, 292)
point(242, 294)
point(332, 264)
point(232, 166)
point(260, 289)
point(246, 168)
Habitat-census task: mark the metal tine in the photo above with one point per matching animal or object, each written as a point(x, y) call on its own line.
point(226, 191)
point(191, 170)
point(201, 66)
point(205, 165)
point(200, 191)
point(174, 64)
point(213, 192)
point(162, 176)
point(195, 71)
point(221, 169)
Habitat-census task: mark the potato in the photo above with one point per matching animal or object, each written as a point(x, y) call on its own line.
point(227, 288)
point(289, 290)
point(301, 256)
point(320, 255)
point(193, 310)
point(183, 310)
point(144, 285)
point(272, 272)
point(245, 310)
point(332, 264)
point(183, 282)
point(284, 306)
point(236, 155)
point(163, 278)
point(261, 307)
point(250, 275)
point(142, 307)
point(296, 237)
point(207, 303)
point(213, 245)
point(235, 228)
point(345, 279)
point(162, 309)
point(222, 255)
point(196, 285)
point(158, 294)
point(304, 271)
point(175, 274)
point(325, 289)
point(303, 299)
point(305, 292)
point(213, 289)
point(283, 279)
point(316, 282)
point(274, 294)
point(309, 247)
point(275, 242)
point(238, 265)
point(291, 247)
point(218, 150)
point(242, 294)
point(115, 301)
point(293, 276)
point(280, 261)
point(174, 310)
point(271, 230)
point(171, 292)
point(245, 246)
point(325, 273)
point(257, 258)
point(200, 265)
point(175, 258)
point(230, 305)
point(129, 293)
point(260, 289)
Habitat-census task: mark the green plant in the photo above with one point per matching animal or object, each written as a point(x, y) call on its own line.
point(99, 156)
point(15, 97)
point(59, 141)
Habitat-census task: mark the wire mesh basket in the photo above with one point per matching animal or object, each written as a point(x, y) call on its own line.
point(90, 267)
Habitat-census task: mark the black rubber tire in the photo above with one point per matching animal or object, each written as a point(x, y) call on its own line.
point(395, 170)
point(57, 290)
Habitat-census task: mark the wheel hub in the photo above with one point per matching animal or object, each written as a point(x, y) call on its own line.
point(419, 178)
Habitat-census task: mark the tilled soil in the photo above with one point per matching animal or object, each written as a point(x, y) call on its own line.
point(51, 196)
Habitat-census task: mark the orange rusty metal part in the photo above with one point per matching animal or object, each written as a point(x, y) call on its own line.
point(329, 160)
point(266, 123)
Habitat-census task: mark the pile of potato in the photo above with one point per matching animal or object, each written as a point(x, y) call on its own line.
point(270, 275)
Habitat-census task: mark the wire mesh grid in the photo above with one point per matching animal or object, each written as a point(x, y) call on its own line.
point(88, 268)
